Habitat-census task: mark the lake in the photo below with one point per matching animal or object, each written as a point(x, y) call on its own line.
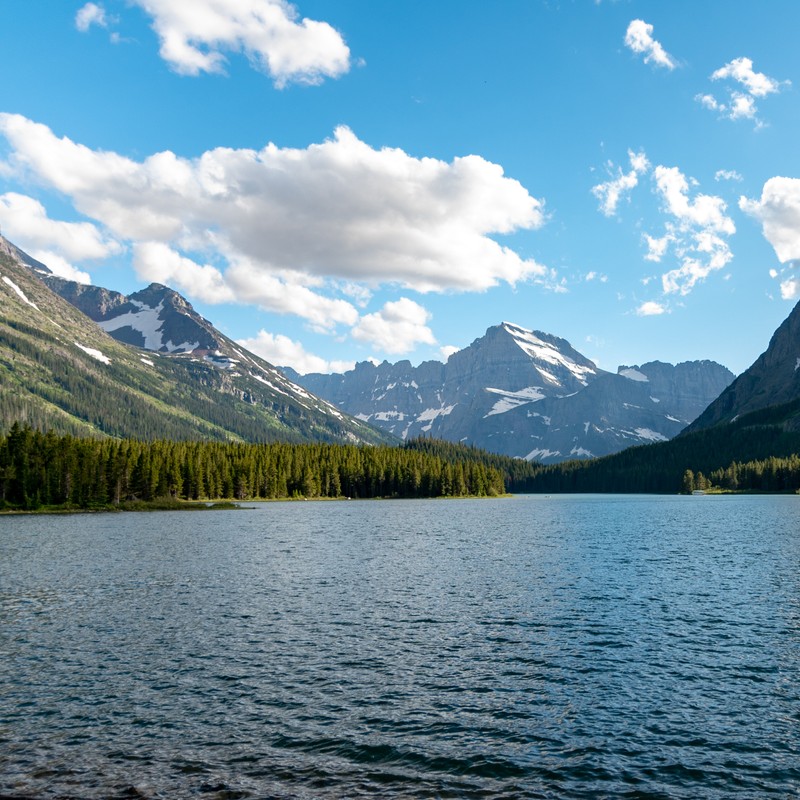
point(532, 647)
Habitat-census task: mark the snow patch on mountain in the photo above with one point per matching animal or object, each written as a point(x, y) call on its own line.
point(146, 321)
point(94, 353)
point(541, 453)
point(19, 291)
point(650, 435)
point(430, 414)
point(634, 375)
point(511, 400)
point(538, 349)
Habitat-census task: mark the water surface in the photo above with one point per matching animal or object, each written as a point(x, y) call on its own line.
point(534, 647)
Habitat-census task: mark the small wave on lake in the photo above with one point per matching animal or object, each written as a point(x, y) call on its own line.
point(565, 647)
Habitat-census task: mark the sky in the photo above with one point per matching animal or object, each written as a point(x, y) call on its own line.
point(332, 182)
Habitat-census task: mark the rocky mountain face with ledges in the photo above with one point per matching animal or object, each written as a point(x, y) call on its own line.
point(525, 393)
point(772, 380)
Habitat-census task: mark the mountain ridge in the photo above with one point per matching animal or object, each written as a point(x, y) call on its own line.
point(527, 394)
point(60, 370)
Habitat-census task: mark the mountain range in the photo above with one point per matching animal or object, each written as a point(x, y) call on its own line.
point(89, 361)
point(747, 439)
point(526, 394)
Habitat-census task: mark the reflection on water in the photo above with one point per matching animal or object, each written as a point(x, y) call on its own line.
point(576, 647)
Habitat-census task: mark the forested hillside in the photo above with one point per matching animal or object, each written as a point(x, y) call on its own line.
point(765, 436)
point(60, 371)
point(45, 469)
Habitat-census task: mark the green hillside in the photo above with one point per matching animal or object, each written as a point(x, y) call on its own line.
point(59, 371)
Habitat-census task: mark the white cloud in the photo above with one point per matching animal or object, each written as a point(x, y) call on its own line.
point(741, 70)
point(59, 266)
point(277, 221)
point(255, 285)
point(650, 309)
point(639, 38)
point(282, 351)
point(156, 262)
point(447, 350)
point(790, 288)
point(727, 175)
point(741, 102)
point(194, 37)
point(778, 211)
point(90, 14)
point(397, 328)
point(696, 233)
point(55, 243)
point(610, 193)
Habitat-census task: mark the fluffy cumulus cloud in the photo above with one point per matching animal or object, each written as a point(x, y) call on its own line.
point(285, 352)
point(55, 243)
point(639, 38)
point(90, 14)
point(155, 262)
point(621, 183)
point(292, 229)
point(651, 309)
point(747, 86)
point(195, 36)
point(696, 232)
point(778, 211)
point(397, 328)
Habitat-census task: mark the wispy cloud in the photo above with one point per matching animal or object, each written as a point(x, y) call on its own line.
point(749, 85)
point(621, 183)
point(90, 14)
point(727, 175)
point(639, 38)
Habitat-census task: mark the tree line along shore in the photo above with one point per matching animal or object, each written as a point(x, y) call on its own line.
point(49, 471)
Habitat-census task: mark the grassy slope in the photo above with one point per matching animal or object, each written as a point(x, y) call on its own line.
point(48, 381)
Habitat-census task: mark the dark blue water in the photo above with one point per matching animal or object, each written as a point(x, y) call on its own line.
point(564, 647)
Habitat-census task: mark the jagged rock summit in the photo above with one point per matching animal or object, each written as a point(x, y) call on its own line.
point(772, 380)
point(528, 394)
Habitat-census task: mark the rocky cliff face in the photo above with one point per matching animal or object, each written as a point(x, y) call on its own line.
point(772, 380)
point(527, 394)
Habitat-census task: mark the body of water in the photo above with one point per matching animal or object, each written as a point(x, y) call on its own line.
point(534, 647)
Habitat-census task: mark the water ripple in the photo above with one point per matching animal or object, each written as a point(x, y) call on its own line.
point(593, 647)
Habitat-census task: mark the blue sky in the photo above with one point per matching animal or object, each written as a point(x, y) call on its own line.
point(331, 182)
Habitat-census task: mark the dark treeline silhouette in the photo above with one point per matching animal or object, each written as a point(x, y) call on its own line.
point(46, 469)
point(743, 457)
